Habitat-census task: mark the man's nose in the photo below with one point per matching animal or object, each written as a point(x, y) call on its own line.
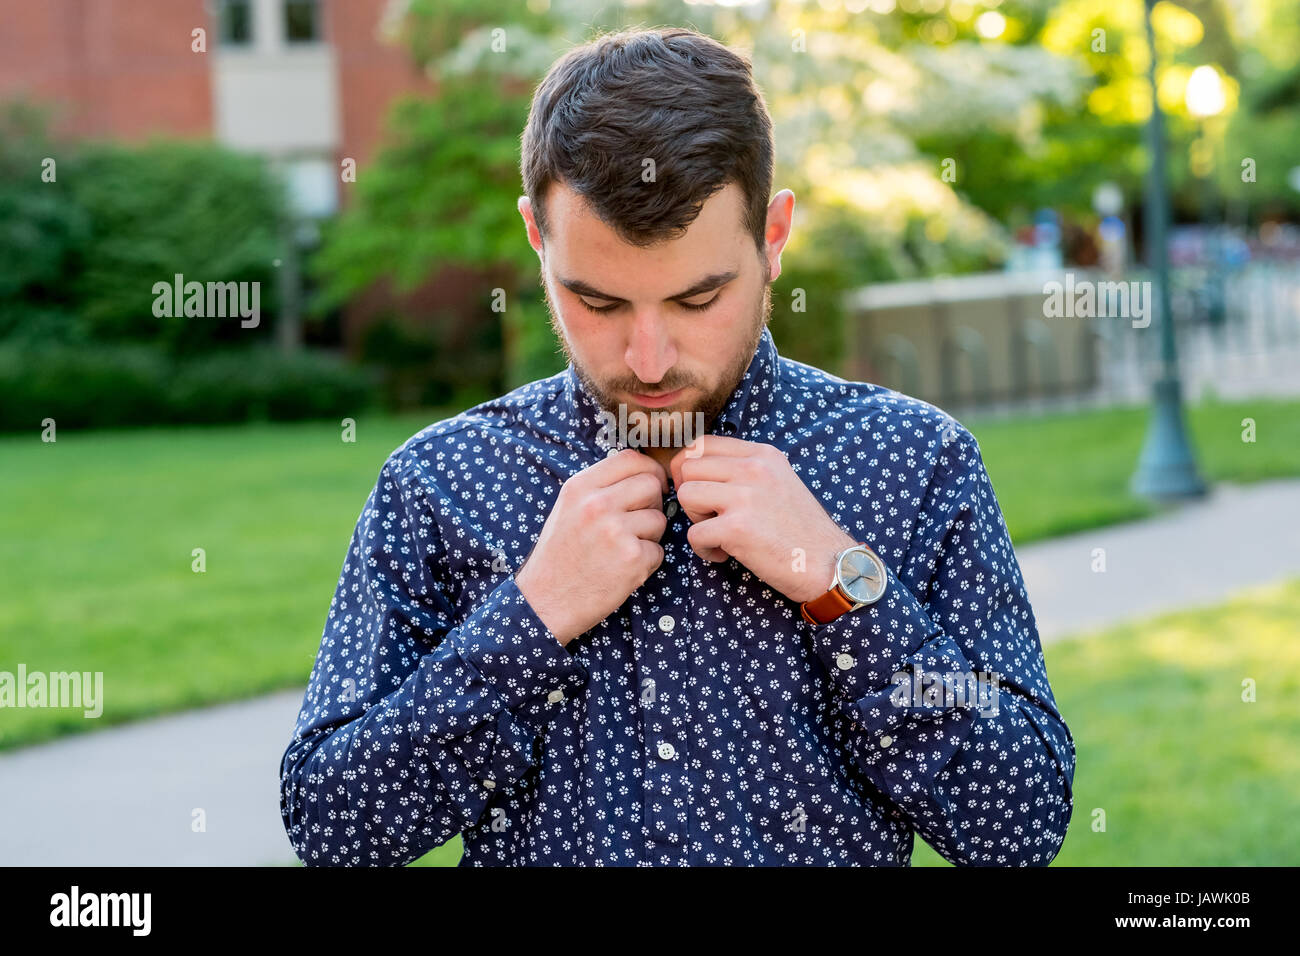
point(650, 350)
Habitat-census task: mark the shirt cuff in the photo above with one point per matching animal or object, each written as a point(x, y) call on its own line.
point(898, 671)
point(513, 753)
point(506, 643)
point(863, 649)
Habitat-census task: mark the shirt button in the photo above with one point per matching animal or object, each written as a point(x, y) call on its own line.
point(886, 741)
point(666, 623)
point(667, 751)
point(489, 784)
point(555, 696)
point(670, 509)
point(844, 661)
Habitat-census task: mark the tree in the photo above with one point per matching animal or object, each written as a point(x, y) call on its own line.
point(861, 103)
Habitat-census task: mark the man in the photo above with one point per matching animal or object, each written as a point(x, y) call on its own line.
point(795, 639)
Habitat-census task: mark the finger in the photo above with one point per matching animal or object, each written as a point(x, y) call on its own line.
point(675, 467)
point(707, 539)
point(641, 490)
point(709, 468)
point(709, 445)
point(721, 445)
point(647, 523)
point(703, 499)
point(658, 470)
point(652, 555)
point(625, 464)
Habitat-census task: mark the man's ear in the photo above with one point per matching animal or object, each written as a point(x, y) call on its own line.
point(780, 222)
point(534, 234)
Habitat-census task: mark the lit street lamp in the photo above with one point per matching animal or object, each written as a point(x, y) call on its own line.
point(1204, 95)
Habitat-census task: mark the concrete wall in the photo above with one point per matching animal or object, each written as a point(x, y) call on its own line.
point(971, 340)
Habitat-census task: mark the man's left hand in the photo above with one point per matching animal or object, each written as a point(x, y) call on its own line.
point(746, 502)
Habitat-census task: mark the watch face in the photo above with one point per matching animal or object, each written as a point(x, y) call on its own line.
point(862, 576)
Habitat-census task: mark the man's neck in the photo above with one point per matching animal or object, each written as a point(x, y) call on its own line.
point(663, 456)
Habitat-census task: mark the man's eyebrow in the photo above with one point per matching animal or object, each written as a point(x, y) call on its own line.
point(707, 284)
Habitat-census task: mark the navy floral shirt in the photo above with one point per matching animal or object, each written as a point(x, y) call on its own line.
point(705, 722)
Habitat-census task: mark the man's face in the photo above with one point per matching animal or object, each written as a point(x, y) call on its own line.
point(647, 347)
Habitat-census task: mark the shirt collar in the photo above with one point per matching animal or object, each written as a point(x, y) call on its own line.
point(744, 416)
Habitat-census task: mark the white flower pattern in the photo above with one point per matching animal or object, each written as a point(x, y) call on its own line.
point(704, 723)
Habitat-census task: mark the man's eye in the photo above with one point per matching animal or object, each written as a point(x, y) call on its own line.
point(699, 308)
point(610, 308)
point(592, 308)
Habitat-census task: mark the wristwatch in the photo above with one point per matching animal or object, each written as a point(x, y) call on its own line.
point(860, 578)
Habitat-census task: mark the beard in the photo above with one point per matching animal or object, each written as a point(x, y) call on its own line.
point(714, 400)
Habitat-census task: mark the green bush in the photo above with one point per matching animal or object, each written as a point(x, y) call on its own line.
point(168, 208)
point(116, 385)
point(42, 229)
point(87, 230)
point(532, 350)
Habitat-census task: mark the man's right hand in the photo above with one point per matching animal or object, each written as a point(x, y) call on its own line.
point(598, 545)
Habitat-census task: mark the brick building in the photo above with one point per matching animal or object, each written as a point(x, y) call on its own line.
point(307, 82)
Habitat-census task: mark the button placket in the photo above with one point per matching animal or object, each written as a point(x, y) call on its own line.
point(665, 722)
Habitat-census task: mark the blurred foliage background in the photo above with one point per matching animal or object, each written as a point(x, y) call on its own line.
point(918, 137)
point(921, 139)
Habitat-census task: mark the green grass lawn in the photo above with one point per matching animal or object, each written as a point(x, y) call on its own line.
point(1185, 771)
point(1060, 473)
point(97, 531)
point(96, 538)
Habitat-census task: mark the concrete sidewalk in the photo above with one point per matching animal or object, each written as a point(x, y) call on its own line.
point(126, 795)
point(1238, 536)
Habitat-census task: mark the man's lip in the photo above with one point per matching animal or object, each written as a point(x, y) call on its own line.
point(658, 401)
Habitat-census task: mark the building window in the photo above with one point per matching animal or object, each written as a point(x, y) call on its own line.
point(235, 19)
point(302, 21)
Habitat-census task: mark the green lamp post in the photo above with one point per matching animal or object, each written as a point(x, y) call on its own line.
point(1167, 466)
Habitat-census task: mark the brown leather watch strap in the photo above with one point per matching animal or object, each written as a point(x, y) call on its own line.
point(825, 608)
point(830, 605)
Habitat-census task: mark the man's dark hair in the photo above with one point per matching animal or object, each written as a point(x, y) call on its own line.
point(672, 95)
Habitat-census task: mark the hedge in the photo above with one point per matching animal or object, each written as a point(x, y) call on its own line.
point(111, 385)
